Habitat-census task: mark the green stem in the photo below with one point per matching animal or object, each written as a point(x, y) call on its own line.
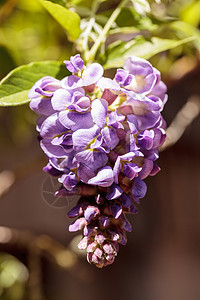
point(94, 8)
point(111, 20)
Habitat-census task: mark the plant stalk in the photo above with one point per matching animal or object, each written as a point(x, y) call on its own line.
point(111, 20)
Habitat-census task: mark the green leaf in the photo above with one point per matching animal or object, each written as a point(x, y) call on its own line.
point(184, 30)
point(140, 47)
point(190, 13)
point(15, 86)
point(68, 19)
point(60, 2)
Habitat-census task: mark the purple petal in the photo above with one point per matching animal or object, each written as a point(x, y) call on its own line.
point(131, 170)
point(118, 164)
point(123, 77)
point(52, 127)
point(148, 119)
point(145, 139)
point(133, 124)
point(99, 111)
point(75, 120)
point(107, 83)
point(140, 101)
point(155, 169)
point(61, 99)
point(126, 200)
point(100, 238)
point(52, 150)
point(93, 159)
point(92, 74)
point(71, 82)
point(80, 102)
point(65, 140)
point(103, 178)
point(83, 137)
point(83, 243)
point(85, 173)
point(144, 84)
point(69, 181)
point(51, 170)
point(104, 221)
point(75, 211)
point(91, 212)
point(138, 189)
point(66, 163)
point(117, 169)
point(127, 226)
point(77, 225)
point(138, 66)
point(146, 168)
point(110, 137)
point(159, 137)
point(91, 247)
point(151, 154)
point(123, 239)
point(39, 122)
point(115, 120)
point(116, 210)
point(160, 90)
point(75, 64)
point(42, 105)
point(114, 192)
point(45, 86)
point(133, 209)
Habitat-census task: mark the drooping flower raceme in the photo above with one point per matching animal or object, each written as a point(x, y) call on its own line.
point(101, 137)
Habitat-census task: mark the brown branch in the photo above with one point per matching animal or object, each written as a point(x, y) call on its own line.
point(42, 245)
point(182, 120)
point(7, 9)
point(7, 178)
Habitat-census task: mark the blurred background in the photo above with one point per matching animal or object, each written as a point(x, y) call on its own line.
point(38, 256)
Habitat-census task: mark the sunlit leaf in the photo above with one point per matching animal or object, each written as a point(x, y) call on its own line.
point(60, 2)
point(184, 30)
point(68, 19)
point(15, 86)
point(191, 13)
point(139, 47)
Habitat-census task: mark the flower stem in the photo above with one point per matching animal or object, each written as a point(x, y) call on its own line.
point(94, 8)
point(95, 47)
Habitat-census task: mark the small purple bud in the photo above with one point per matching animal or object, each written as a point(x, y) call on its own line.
point(75, 64)
point(91, 247)
point(98, 252)
point(91, 212)
point(79, 224)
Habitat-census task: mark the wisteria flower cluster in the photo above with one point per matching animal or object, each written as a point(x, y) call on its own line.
point(101, 136)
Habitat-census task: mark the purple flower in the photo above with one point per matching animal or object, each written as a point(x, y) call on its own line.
point(88, 77)
point(101, 137)
point(41, 93)
point(103, 178)
point(46, 86)
point(69, 181)
point(75, 64)
point(144, 77)
point(125, 164)
point(72, 100)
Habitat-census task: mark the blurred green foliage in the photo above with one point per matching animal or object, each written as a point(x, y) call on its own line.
point(13, 278)
point(28, 33)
